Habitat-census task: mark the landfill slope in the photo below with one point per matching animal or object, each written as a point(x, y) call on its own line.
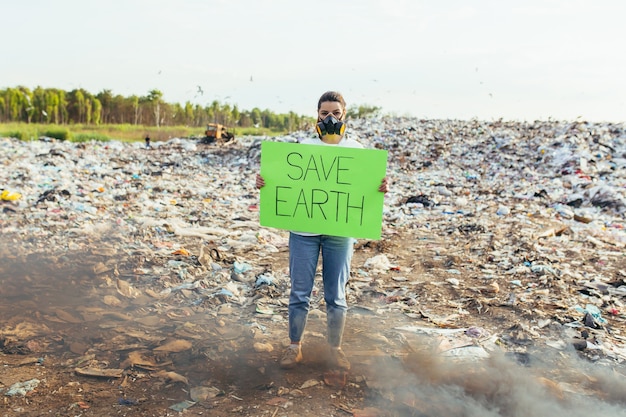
point(138, 281)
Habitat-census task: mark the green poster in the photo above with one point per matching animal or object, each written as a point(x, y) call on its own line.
point(330, 190)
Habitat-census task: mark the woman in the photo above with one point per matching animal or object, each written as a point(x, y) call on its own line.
point(304, 250)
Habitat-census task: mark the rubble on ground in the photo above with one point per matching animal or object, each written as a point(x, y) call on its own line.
point(498, 238)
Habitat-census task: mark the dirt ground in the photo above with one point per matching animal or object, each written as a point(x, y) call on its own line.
point(55, 325)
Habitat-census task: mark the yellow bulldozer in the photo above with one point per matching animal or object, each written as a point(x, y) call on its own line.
point(216, 133)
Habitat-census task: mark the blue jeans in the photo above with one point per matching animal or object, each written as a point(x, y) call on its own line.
point(304, 253)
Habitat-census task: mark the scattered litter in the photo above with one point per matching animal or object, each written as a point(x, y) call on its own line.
point(309, 383)
point(467, 352)
point(264, 280)
point(496, 218)
point(172, 376)
point(432, 331)
point(22, 388)
point(6, 195)
point(182, 406)
point(263, 347)
point(378, 263)
point(202, 393)
point(593, 311)
point(100, 373)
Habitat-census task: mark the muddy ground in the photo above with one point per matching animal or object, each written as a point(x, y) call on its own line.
point(88, 332)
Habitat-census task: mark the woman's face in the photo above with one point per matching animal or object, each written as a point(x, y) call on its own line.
point(330, 107)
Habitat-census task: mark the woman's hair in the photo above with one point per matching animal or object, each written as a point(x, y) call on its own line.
point(331, 96)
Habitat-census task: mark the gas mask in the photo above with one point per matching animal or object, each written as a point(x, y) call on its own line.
point(330, 127)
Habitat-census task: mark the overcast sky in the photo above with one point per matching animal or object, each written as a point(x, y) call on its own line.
point(460, 59)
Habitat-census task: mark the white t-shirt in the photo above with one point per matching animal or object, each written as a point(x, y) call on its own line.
point(346, 142)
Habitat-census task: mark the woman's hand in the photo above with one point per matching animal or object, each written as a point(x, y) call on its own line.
point(260, 182)
point(384, 185)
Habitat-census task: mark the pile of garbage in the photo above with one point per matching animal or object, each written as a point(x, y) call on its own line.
point(524, 216)
point(499, 188)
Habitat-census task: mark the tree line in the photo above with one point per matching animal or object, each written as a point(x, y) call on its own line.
point(78, 106)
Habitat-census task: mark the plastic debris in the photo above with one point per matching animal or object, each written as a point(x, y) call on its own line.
point(22, 388)
point(183, 405)
point(241, 267)
point(264, 279)
point(593, 311)
point(6, 195)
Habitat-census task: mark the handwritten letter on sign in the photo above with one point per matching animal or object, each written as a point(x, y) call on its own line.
point(330, 190)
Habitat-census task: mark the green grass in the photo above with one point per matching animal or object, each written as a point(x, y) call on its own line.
point(122, 132)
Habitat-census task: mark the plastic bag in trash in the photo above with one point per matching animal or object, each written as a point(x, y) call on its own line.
point(22, 388)
point(7, 195)
point(264, 280)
